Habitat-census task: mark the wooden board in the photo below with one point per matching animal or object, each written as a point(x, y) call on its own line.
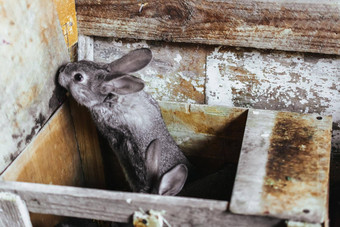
point(13, 211)
point(283, 169)
point(305, 25)
point(119, 206)
point(32, 48)
point(51, 158)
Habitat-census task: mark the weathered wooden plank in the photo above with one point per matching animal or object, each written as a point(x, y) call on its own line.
point(51, 158)
point(119, 206)
point(13, 211)
point(32, 48)
point(284, 166)
point(306, 25)
point(176, 73)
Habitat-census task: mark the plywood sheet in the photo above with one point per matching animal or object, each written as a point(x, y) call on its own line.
point(305, 25)
point(283, 169)
point(32, 48)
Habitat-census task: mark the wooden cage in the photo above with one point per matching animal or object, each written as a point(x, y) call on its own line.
point(248, 89)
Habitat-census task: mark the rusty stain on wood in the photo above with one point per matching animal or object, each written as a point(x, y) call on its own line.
point(291, 141)
point(176, 73)
point(51, 158)
point(285, 161)
point(304, 26)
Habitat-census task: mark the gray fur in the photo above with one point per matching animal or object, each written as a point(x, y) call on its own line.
point(130, 119)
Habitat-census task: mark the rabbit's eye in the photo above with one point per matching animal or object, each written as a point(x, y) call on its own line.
point(78, 77)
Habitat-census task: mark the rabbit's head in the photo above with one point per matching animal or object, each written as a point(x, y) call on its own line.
point(90, 83)
point(172, 181)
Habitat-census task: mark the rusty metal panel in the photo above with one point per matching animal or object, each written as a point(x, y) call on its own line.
point(32, 48)
point(283, 169)
point(176, 73)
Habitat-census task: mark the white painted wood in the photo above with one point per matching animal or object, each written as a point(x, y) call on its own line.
point(32, 48)
point(119, 206)
point(85, 48)
point(13, 211)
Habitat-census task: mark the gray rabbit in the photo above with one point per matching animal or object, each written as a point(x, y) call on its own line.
point(130, 119)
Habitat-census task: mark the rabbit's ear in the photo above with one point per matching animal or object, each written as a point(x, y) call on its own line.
point(173, 181)
point(152, 160)
point(122, 85)
point(131, 62)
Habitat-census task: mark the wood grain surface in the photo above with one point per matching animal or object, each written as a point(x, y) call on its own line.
point(305, 25)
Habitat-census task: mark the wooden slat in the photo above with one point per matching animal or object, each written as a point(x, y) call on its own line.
point(283, 169)
point(32, 48)
point(13, 211)
point(305, 25)
point(51, 158)
point(118, 206)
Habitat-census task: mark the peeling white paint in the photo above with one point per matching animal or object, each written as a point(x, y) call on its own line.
point(178, 58)
point(302, 83)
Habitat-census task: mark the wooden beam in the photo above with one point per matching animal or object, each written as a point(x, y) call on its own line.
point(304, 25)
point(119, 206)
point(13, 211)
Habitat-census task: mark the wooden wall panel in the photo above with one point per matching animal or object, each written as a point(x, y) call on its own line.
point(51, 158)
point(176, 73)
point(32, 48)
point(305, 25)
